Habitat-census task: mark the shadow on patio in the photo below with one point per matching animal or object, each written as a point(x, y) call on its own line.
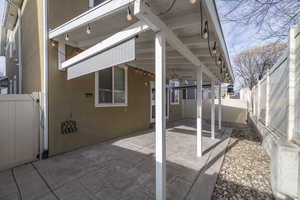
point(123, 168)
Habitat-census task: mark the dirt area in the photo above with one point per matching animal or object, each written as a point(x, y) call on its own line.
point(245, 173)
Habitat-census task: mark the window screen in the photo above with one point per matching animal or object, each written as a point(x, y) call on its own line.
point(112, 86)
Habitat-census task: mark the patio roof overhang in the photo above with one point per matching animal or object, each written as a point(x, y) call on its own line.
point(186, 50)
point(174, 45)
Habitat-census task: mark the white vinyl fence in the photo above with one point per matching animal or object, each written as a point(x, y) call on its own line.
point(19, 128)
point(233, 110)
point(276, 98)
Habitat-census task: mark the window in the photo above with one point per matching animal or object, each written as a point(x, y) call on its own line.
point(111, 87)
point(93, 3)
point(189, 93)
point(174, 92)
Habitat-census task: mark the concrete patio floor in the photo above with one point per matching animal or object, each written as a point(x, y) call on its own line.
point(123, 168)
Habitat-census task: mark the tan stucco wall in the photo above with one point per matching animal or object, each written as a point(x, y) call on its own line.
point(67, 101)
point(61, 11)
point(32, 46)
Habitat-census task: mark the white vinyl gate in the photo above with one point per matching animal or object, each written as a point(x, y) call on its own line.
point(19, 128)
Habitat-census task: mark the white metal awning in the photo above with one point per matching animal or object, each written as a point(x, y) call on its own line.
point(120, 54)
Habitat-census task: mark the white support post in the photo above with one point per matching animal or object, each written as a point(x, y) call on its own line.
point(268, 99)
point(45, 78)
point(292, 83)
point(199, 111)
point(258, 100)
point(61, 54)
point(160, 111)
point(213, 109)
point(220, 107)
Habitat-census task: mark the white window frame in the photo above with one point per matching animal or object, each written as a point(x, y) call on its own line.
point(99, 105)
point(92, 3)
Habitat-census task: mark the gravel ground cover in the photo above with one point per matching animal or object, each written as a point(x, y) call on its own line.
point(245, 173)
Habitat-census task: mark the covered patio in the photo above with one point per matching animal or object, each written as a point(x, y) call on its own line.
point(184, 43)
point(124, 168)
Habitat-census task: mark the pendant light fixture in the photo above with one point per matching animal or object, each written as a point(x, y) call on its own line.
point(205, 31)
point(67, 37)
point(214, 50)
point(129, 16)
point(88, 30)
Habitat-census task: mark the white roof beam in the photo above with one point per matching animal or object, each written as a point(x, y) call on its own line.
point(174, 54)
point(112, 41)
point(179, 65)
point(174, 61)
point(173, 23)
point(143, 12)
point(188, 41)
point(90, 16)
point(148, 58)
point(168, 49)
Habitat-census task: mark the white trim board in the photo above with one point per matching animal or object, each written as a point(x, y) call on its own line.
point(114, 40)
point(123, 53)
point(113, 104)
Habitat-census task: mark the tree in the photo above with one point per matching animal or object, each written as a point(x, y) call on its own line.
point(272, 17)
point(251, 65)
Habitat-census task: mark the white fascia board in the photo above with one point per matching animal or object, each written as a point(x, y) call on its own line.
point(212, 10)
point(114, 40)
point(90, 16)
point(120, 54)
point(143, 12)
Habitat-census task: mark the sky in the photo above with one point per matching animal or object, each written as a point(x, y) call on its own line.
point(238, 37)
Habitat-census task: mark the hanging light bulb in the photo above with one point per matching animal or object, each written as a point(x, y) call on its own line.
point(129, 16)
point(67, 37)
point(205, 31)
point(214, 50)
point(193, 1)
point(52, 43)
point(88, 30)
point(219, 61)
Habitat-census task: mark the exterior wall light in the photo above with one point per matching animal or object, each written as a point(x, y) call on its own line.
point(219, 61)
point(214, 50)
point(88, 30)
point(129, 16)
point(67, 37)
point(52, 43)
point(205, 31)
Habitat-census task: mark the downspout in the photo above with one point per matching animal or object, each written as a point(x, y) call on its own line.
point(20, 52)
point(45, 79)
point(18, 25)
